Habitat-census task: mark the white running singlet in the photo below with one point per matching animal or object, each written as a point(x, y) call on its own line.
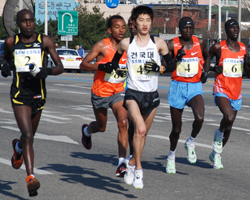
point(138, 78)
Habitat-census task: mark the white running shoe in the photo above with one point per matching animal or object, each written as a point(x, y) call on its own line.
point(217, 143)
point(138, 179)
point(191, 155)
point(170, 167)
point(216, 159)
point(129, 174)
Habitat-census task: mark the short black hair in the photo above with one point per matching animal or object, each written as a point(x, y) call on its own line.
point(109, 23)
point(142, 10)
point(19, 14)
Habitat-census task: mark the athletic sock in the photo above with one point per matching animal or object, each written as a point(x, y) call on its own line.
point(18, 150)
point(220, 134)
point(120, 161)
point(190, 140)
point(86, 132)
point(171, 154)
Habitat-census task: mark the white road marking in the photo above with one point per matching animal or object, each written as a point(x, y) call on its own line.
point(234, 127)
point(37, 171)
point(55, 117)
point(75, 86)
point(58, 138)
point(182, 141)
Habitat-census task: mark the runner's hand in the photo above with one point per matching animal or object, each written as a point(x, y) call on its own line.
point(152, 66)
point(44, 72)
point(107, 67)
point(204, 77)
point(122, 72)
point(218, 69)
point(180, 53)
point(5, 70)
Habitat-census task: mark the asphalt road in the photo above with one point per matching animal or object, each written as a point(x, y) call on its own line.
point(68, 171)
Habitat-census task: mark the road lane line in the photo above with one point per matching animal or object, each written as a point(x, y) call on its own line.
point(181, 141)
point(37, 171)
point(57, 138)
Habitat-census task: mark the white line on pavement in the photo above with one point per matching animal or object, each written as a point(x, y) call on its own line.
point(37, 171)
point(182, 141)
point(58, 138)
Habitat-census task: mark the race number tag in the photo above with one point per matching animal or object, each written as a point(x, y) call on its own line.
point(233, 67)
point(113, 77)
point(23, 57)
point(187, 67)
point(139, 72)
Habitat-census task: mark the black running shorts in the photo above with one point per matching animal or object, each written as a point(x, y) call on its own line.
point(147, 101)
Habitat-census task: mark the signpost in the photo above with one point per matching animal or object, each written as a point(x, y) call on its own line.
point(66, 38)
point(112, 3)
point(67, 24)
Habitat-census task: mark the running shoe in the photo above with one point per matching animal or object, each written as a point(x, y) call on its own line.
point(86, 141)
point(121, 170)
point(170, 167)
point(217, 143)
point(17, 158)
point(216, 159)
point(129, 174)
point(138, 180)
point(32, 185)
point(191, 155)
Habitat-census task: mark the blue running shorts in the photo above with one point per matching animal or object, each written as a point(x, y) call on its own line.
point(236, 104)
point(180, 93)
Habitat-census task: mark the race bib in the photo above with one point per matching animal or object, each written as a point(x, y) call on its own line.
point(233, 67)
point(24, 57)
point(139, 72)
point(187, 67)
point(113, 77)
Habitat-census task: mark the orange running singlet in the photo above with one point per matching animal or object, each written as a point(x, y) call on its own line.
point(229, 82)
point(106, 84)
point(189, 69)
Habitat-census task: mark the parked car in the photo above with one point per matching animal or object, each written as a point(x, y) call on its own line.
point(70, 59)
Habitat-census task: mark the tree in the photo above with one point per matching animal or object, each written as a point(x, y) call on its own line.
point(92, 27)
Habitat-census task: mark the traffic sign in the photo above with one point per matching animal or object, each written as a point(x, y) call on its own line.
point(67, 22)
point(66, 38)
point(112, 3)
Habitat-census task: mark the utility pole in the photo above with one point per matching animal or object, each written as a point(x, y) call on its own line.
point(219, 26)
point(209, 15)
point(239, 18)
point(182, 8)
point(46, 18)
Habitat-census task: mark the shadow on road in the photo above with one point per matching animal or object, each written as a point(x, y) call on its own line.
point(6, 189)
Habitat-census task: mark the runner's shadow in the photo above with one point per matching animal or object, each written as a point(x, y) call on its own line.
point(199, 163)
point(6, 189)
point(107, 158)
point(87, 177)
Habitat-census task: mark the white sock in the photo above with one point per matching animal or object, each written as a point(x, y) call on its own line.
point(32, 175)
point(130, 166)
point(190, 140)
point(120, 161)
point(220, 134)
point(171, 154)
point(18, 149)
point(86, 132)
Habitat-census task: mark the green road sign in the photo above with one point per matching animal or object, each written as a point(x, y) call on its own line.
point(67, 22)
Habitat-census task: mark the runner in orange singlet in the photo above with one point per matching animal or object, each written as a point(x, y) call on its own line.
point(191, 55)
point(108, 90)
point(231, 58)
